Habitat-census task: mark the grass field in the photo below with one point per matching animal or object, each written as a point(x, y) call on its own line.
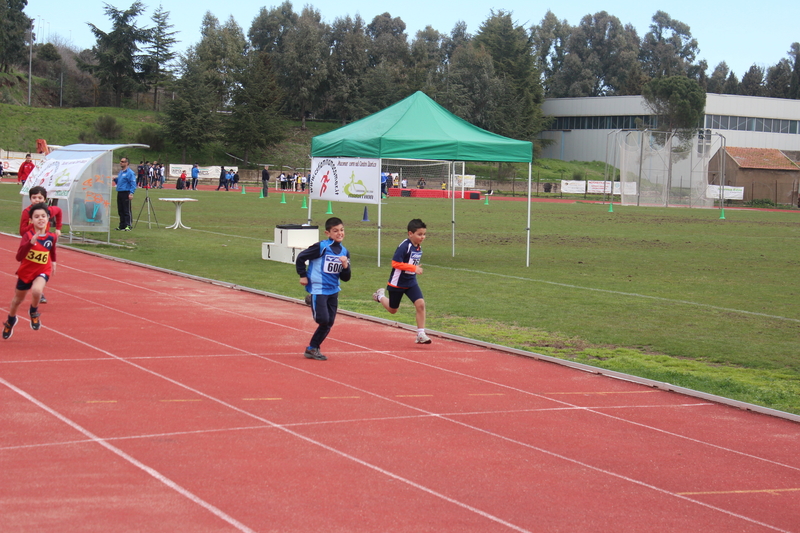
point(674, 295)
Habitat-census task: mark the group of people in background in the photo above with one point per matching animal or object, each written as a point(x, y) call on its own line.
point(228, 179)
point(293, 182)
point(150, 175)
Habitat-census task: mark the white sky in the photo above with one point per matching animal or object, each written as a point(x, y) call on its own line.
point(738, 32)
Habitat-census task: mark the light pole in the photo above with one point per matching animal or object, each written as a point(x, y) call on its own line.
point(30, 61)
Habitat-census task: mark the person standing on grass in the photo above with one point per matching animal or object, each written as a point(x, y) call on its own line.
point(126, 187)
point(265, 181)
point(406, 264)
point(25, 169)
point(328, 263)
point(195, 176)
point(38, 195)
point(37, 262)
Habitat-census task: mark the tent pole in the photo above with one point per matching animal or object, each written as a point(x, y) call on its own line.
point(380, 214)
point(454, 214)
point(528, 229)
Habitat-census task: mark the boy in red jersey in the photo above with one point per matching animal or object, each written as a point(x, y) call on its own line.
point(38, 195)
point(37, 262)
point(403, 278)
point(25, 169)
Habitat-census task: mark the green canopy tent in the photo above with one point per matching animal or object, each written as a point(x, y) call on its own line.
point(419, 128)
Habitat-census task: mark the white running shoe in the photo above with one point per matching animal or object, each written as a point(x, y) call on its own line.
point(422, 339)
point(377, 295)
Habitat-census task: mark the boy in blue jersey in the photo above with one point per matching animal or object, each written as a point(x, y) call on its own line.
point(328, 262)
point(403, 279)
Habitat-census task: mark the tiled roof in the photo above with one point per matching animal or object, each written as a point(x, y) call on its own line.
point(764, 158)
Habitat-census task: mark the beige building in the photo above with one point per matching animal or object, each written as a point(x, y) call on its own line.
point(765, 173)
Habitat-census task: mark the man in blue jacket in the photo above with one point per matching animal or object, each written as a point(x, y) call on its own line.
point(126, 186)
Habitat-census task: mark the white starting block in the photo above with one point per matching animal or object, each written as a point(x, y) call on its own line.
point(290, 240)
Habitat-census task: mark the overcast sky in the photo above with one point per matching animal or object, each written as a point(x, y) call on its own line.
point(737, 32)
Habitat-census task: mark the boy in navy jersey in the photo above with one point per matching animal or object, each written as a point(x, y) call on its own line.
point(403, 278)
point(328, 262)
point(37, 262)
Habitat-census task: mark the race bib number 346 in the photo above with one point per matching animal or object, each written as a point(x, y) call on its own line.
point(38, 257)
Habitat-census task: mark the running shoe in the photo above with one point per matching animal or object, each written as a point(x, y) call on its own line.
point(422, 339)
point(377, 295)
point(42, 300)
point(314, 353)
point(8, 330)
point(307, 299)
point(35, 322)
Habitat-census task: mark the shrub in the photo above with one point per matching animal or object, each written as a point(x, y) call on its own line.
point(107, 127)
point(151, 136)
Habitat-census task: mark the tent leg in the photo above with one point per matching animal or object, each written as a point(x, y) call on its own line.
point(380, 215)
point(528, 228)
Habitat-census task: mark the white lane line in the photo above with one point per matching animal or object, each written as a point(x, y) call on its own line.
point(151, 471)
point(295, 434)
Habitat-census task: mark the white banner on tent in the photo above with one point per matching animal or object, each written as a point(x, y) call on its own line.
point(342, 179)
point(55, 175)
point(731, 193)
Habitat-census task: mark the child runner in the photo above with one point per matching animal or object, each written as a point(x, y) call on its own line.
point(37, 258)
point(328, 262)
point(403, 279)
point(38, 195)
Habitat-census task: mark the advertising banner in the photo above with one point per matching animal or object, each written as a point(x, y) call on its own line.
point(573, 187)
point(731, 193)
point(55, 175)
point(466, 180)
point(601, 187)
point(343, 179)
point(205, 172)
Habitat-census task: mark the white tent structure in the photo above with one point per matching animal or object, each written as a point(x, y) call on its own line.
point(80, 177)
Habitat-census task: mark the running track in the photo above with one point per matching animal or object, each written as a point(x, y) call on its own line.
point(154, 402)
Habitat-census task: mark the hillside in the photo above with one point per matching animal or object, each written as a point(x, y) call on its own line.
point(22, 125)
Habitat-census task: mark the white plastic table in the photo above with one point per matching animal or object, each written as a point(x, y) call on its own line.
point(178, 203)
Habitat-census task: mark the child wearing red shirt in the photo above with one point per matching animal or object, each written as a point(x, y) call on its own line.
point(37, 262)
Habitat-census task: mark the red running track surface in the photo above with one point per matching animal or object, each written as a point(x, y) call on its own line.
point(154, 402)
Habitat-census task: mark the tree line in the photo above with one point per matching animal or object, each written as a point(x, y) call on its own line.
point(236, 86)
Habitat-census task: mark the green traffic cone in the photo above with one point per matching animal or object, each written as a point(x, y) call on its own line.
point(722, 214)
point(304, 206)
point(487, 200)
point(262, 194)
point(243, 191)
point(330, 210)
point(283, 197)
point(610, 208)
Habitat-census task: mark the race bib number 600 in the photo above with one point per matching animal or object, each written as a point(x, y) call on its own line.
point(332, 264)
point(38, 257)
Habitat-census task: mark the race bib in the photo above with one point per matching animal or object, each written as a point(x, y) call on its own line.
point(415, 258)
point(332, 264)
point(39, 257)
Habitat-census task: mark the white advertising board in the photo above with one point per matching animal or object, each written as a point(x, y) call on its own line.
point(343, 179)
point(573, 187)
point(601, 187)
point(55, 175)
point(205, 172)
point(466, 180)
point(731, 193)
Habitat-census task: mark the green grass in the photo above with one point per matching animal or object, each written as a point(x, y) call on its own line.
point(674, 295)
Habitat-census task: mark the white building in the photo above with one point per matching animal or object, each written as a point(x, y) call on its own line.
point(582, 126)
